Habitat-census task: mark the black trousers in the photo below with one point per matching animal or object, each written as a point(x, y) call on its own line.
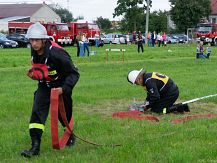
point(166, 100)
point(140, 46)
point(41, 106)
point(78, 49)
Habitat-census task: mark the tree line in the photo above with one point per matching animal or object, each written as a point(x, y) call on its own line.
point(184, 13)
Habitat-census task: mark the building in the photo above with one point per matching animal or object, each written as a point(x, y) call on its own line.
point(213, 15)
point(26, 13)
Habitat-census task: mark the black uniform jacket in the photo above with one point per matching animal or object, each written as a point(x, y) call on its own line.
point(158, 86)
point(60, 67)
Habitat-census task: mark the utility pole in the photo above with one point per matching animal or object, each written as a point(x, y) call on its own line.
point(147, 22)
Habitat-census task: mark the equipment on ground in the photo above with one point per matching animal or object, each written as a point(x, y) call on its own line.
point(179, 107)
point(57, 106)
point(115, 50)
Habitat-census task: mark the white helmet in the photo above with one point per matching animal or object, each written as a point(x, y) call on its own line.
point(37, 31)
point(132, 75)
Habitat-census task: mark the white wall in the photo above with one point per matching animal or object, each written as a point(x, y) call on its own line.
point(45, 14)
point(4, 26)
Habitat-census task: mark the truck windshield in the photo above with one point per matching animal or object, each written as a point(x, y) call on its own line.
point(62, 27)
point(204, 29)
point(93, 26)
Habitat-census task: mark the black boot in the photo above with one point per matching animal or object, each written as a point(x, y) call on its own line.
point(71, 141)
point(34, 151)
point(179, 108)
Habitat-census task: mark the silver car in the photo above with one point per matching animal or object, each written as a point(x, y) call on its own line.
point(109, 39)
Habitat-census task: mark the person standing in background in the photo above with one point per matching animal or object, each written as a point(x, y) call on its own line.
point(153, 38)
point(77, 39)
point(164, 38)
point(86, 43)
point(139, 42)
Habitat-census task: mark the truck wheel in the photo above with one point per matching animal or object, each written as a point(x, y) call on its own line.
point(215, 42)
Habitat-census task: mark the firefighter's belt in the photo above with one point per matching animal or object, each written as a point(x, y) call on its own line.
point(55, 104)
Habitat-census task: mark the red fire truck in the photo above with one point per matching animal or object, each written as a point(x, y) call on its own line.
point(207, 32)
point(91, 29)
point(62, 33)
point(59, 32)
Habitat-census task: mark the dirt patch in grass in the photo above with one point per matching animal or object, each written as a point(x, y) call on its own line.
point(106, 109)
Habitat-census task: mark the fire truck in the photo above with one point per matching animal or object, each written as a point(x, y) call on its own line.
point(207, 32)
point(59, 32)
point(91, 29)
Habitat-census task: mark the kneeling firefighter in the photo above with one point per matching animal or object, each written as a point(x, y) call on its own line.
point(162, 92)
point(52, 67)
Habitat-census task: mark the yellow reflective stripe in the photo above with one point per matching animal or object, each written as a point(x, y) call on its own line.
point(164, 110)
point(160, 77)
point(36, 125)
point(54, 72)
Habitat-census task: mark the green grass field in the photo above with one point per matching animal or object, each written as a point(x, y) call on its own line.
point(103, 89)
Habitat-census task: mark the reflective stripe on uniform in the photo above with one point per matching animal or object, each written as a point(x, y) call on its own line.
point(36, 125)
point(160, 77)
point(164, 110)
point(54, 72)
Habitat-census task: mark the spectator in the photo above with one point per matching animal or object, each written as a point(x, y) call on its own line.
point(149, 39)
point(134, 37)
point(164, 38)
point(153, 38)
point(77, 40)
point(86, 43)
point(96, 40)
point(139, 42)
point(208, 50)
point(128, 38)
point(200, 50)
point(159, 39)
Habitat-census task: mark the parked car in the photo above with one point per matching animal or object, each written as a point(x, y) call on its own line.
point(20, 39)
point(172, 40)
point(122, 38)
point(110, 39)
point(6, 43)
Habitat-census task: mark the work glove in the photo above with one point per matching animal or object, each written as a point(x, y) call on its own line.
point(35, 74)
point(144, 107)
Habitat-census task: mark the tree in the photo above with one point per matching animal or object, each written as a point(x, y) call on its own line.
point(65, 15)
point(187, 13)
point(104, 24)
point(80, 17)
point(133, 13)
point(158, 21)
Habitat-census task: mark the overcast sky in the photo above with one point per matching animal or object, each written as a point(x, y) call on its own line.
point(91, 9)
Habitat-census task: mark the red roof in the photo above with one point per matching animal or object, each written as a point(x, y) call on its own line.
point(9, 10)
point(213, 7)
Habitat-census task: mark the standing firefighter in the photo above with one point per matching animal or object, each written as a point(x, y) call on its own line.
point(162, 92)
point(53, 68)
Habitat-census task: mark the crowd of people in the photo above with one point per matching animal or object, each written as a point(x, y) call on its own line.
point(152, 39)
point(82, 44)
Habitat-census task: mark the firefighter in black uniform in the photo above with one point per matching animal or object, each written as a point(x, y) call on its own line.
point(53, 68)
point(162, 92)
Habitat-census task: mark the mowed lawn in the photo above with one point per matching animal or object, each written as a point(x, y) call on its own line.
point(102, 90)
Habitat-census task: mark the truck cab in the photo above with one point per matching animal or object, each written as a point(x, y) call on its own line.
point(59, 32)
point(91, 30)
point(207, 32)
